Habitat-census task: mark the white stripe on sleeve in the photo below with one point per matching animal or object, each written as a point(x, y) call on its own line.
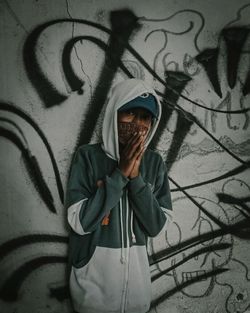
point(73, 217)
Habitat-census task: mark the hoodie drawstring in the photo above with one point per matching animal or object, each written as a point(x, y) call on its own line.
point(131, 227)
point(122, 227)
point(131, 220)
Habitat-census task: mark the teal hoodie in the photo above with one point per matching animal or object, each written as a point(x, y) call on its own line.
point(111, 217)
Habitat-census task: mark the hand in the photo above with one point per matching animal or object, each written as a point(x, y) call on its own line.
point(135, 171)
point(131, 154)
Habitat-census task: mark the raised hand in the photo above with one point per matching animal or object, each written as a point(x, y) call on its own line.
point(131, 155)
point(135, 171)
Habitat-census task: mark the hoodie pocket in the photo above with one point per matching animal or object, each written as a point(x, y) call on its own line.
point(98, 285)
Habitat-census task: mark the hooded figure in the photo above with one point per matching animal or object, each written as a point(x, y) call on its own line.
point(112, 213)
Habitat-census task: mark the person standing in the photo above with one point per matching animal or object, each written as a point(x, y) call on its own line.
point(117, 196)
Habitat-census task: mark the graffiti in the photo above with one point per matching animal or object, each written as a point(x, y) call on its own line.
point(195, 254)
point(201, 264)
point(242, 15)
point(238, 297)
point(191, 23)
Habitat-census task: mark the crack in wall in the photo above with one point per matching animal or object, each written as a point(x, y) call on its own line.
point(12, 12)
point(75, 49)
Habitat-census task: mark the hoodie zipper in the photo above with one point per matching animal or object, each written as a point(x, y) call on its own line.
point(127, 250)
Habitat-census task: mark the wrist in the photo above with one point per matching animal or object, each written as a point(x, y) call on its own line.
point(124, 172)
point(134, 175)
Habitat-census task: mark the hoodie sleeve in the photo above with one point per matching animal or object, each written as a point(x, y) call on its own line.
point(151, 207)
point(87, 205)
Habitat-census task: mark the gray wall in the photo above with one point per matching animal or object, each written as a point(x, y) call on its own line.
point(58, 60)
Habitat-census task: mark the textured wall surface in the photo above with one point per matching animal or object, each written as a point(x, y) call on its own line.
point(58, 61)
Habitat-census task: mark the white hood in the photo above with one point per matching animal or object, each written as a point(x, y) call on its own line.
point(119, 95)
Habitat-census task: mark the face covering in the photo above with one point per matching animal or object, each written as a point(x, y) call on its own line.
point(126, 131)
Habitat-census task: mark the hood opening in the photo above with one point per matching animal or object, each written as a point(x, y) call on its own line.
point(121, 94)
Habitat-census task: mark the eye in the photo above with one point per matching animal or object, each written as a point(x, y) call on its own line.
point(147, 117)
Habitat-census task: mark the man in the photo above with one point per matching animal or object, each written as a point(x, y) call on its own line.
point(116, 198)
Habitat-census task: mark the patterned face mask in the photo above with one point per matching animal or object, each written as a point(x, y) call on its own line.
point(126, 130)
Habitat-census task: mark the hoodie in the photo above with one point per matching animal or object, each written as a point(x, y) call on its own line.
point(111, 217)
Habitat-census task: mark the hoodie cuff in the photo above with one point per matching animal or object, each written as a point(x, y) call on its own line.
point(119, 178)
point(136, 184)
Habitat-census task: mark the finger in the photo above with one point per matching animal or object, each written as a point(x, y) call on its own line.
point(137, 162)
point(130, 141)
point(140, 152)
point(130, 150)
point(136, 136)
point(132, 145)
point(134, 139)
point(140, 143)
point(139, 146)
point(137, 152)
point(136, 147)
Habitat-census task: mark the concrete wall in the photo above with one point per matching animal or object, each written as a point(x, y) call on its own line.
point(58, 61)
